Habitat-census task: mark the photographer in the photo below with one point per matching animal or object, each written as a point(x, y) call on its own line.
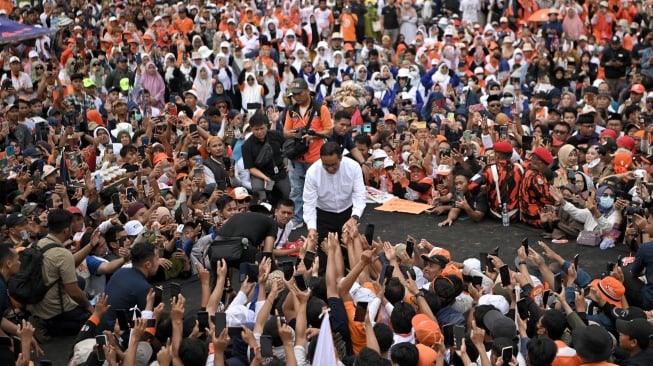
point(12, 130)
point(262, 156)
point(303, 115)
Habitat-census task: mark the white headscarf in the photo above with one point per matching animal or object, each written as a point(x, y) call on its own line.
point(204, 87)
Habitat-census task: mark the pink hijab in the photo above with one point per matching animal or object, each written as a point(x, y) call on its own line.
point(154, 84)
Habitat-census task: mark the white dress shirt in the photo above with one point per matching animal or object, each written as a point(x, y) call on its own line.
point(333, 192)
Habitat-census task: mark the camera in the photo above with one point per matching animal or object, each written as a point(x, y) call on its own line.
point(303, 131)
point(634, 209)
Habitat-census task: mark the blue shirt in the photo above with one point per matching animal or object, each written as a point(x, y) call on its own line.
point(644, 261)
point(127, 288)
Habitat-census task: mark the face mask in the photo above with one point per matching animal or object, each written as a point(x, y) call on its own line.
point(377, 165)
point(507, 101)
point(494, 92)
point(518, 57)
point(565, 47)
point(414, 74)
point(405, 156)
point(606, 202)
point(24, 234)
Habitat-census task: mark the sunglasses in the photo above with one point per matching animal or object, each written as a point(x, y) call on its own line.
point(244, 200)
point(122, 239)
point(39, 68)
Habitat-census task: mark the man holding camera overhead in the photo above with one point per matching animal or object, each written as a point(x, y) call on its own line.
point(304, 115)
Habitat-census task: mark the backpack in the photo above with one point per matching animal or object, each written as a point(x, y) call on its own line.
point(28, 285)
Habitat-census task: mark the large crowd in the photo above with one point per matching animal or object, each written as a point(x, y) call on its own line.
point(144, 143)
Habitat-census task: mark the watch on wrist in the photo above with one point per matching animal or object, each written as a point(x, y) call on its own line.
point(419, 293)
point(355, 217)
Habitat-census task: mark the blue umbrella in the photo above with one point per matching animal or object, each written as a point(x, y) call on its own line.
point(11, 31)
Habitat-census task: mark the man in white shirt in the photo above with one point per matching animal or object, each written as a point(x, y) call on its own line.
point(334, 193)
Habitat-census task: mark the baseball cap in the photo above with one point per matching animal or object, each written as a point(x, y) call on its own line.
point(240, 193)
point(74, 210)
point(133, 227)
point(298, 85)
point(14, 219)
point(639, 329)
point(14, 59)
point(610, 289)
point(637, 88)
point(503, 147)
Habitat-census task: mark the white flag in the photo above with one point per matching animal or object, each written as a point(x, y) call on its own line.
point(325, 352)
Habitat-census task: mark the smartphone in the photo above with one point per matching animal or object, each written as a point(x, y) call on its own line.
point(459, 335)
point(503, 131)
point(447, 332)
point(367, 128)
point(467, 135)
point(158, 295)
point(100, 340)
point(220, 322)
point(527, 143)
point(309, 258)
point(609, 267)
point(504, 271)
point(131, 194)
point(139, 59)
point(369, 233)
point(36, 178)
point(203, 320)
point(455, 145)
point(252, 272)
point(522, 309)
point(410, 248)
point(359, 313)
point(386, 274)
point(288, 269)
point(192, 128)
point(557, 282)
point(145, 140)
point(173, 105)
point(524, 243)
point(576, 261)
point(484, 262)
point(301, 283)
point(9, 151)
point(477, 280)
point(175, 290)
point(266, 346)
point(121, 317)
point(545, 297)
point(234, 332)
point(506, 354)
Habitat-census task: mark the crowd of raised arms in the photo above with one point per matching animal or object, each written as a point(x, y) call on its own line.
point(143, 144)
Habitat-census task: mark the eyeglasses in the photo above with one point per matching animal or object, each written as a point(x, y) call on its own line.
point(494, 105)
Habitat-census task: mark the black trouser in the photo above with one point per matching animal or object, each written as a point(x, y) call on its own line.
point(68, 323)
point(330, 222)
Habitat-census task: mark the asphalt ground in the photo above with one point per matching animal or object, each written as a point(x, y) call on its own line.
point(464, 239)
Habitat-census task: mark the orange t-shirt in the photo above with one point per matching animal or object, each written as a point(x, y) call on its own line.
point(185, 26)
point(356, 329)
point(348, 27)
point(318, 124)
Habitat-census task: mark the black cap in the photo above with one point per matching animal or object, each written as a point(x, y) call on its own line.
point(591, 89)
point(639, 329)
point(437, 259)
point(613, 116)
point(77, 76)
point(15, 219)
point(193, 151)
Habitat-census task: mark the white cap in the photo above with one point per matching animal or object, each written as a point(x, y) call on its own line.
point(497, 301)
point(157, 18)
point(133, 227)
point(379, 154)
point(388, 162)
point(404, 73)
point(113, 19)
point(33, 54)
point(14, 59)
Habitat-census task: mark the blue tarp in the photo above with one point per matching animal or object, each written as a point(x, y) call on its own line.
point(11, 31)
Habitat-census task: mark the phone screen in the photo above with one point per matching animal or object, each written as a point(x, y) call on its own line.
point(545, 297)
point(369, 233)
point(192, 128)
point(359, 314)
point(410, 247)
point(301, 283)
point(158, 295)
point(504, 271)
point(522, 309)
point(506, 354)
point(100, 340)
point(524, 243)
point(386, 274)
point(266, 346)
point(576, 257)
point(459, 334)
point(484, 262)
point(121, 317)
point(220, 322)
point(288, 270)
point(175, 290)
point(309, 257)
point(447, 332)
point(203, 320)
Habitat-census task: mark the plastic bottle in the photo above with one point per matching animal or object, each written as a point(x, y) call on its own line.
point(505, 216)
